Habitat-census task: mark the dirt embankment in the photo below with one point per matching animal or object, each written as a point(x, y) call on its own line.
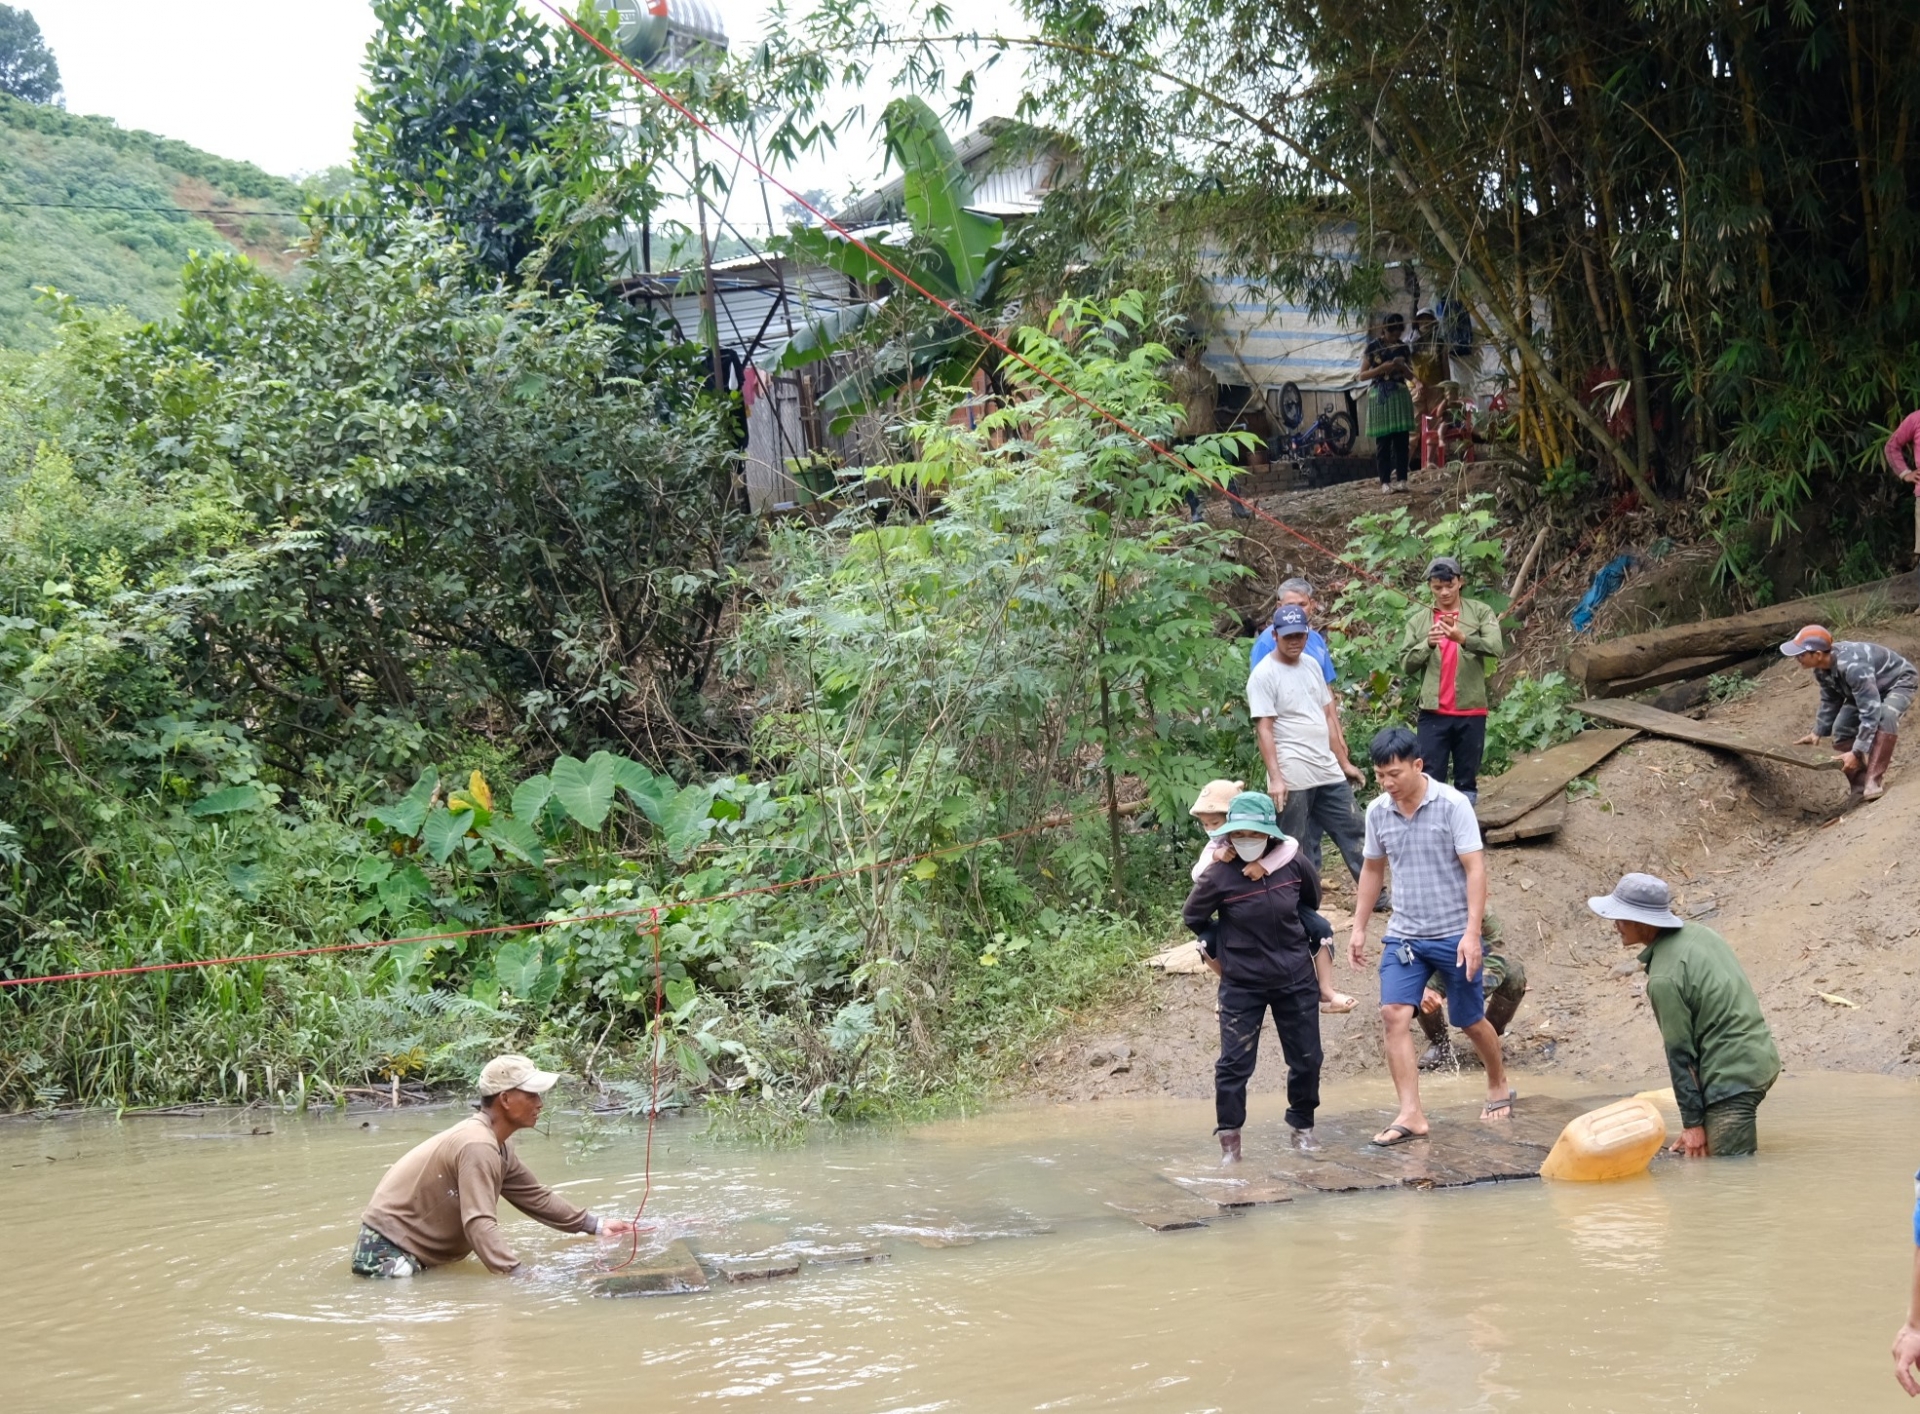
point(1814, 902)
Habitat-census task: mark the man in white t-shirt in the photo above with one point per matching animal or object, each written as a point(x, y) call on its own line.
point(1308, 772)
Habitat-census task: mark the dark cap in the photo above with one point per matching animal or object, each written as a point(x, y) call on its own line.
point(1290, 619)
point(1444, 567)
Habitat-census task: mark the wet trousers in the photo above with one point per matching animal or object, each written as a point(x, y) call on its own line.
point(1296, 1016)
point(1450, 744)
point(376, 1255)
point(1733, 1125)
point(1506, 984)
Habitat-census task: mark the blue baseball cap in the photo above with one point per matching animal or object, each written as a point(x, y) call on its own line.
point(1290, 619)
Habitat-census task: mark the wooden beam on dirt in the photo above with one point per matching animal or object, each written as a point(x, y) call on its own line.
point(1535, 779)
point(1639, 653)
point(1537, 824)
point(1677, 671)
point(1652, 719)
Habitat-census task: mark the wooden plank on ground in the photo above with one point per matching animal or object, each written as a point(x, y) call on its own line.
point(1537, 778)
point(1537, 824)
point(1651, 719)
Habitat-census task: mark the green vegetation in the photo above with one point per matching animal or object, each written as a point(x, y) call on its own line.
point(87, 208)
point(1687, 233)
point(28, 70)
point(412, 599)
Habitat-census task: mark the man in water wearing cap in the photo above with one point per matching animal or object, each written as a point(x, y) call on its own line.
point(440, 1201)
point(1447, 645)
point(1865, 688)
point(1719, 1050)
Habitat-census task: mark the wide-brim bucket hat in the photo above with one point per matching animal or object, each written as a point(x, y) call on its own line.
point(1249, 811)
point(1638, 898)
point(1216, 797)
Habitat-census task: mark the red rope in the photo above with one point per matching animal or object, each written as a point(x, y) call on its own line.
point(653, 1102)
point(754, 890)
point(944, 306)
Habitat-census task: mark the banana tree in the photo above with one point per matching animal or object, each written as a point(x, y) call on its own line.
point(956, 254)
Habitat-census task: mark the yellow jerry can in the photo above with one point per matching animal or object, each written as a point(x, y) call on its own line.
point(1614, 1141)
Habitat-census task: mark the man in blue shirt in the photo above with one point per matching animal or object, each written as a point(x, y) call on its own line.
point(1296, 591)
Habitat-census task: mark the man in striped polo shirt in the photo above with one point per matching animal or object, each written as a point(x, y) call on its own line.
point(1427, 832)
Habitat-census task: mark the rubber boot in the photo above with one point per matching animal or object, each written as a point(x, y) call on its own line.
point(1229, 1147)
point(1439, 1052)
point(1304, 1141)
point(1856, 775)
point(1504, 1001)
point(1878, 760)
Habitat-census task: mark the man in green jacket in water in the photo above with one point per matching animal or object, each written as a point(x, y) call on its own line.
point(1719, 1050)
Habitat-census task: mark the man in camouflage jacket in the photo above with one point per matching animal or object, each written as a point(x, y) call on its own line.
point(1865, 688)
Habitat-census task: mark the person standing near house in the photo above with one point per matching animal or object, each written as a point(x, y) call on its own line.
point(1720, 1052)
point(1432, 364)
point(1387, 364)
point(1194, 387)
point(1426, 833)
point(1308, 773)
point(1903, 457)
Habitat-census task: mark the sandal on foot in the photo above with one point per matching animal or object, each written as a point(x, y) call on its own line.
point(1398, 1134)
point(1340, 1005)
point(1497, 1109)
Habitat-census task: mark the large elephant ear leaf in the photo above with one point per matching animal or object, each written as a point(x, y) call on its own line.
point(530, 797)
point(584, 789)
point(406, 815)
point(443, 832)
point(688, 820)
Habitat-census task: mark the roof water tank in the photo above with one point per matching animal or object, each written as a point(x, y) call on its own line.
point(668, 34)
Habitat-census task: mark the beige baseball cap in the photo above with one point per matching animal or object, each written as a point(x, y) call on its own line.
point(515, 1073)
point(1215, 797)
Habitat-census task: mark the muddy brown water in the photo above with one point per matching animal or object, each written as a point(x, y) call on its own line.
point(189, 1264)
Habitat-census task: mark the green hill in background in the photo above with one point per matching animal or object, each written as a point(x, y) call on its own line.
point(61, 177)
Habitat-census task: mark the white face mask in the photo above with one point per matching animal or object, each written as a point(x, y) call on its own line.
point(1250, 849)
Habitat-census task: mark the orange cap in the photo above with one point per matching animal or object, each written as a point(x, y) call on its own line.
point(1811, 639)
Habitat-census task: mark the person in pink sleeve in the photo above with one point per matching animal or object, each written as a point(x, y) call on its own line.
point(1904, 459)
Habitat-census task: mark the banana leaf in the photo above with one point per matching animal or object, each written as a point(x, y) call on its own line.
point(936, 189)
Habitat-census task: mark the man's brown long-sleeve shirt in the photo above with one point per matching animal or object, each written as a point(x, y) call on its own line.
point(441, 1200)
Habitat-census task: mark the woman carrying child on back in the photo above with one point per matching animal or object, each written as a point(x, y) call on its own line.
point(1210, 809)
point(1247, 907)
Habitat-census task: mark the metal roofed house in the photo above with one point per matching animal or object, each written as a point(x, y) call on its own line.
point(1258, 345)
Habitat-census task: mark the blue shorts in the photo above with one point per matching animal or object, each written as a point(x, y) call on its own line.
point(1402, 982)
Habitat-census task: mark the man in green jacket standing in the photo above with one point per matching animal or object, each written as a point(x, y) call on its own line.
point(1448, 643)
point(1719, 1050)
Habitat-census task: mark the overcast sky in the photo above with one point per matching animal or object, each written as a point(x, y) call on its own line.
point(274, 84)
